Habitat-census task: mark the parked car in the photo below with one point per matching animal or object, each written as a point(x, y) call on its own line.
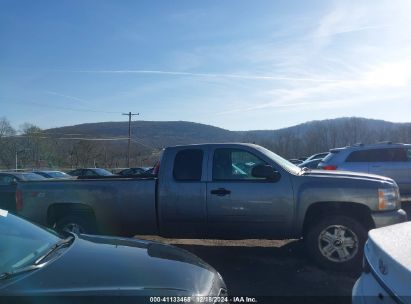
point(8, 185)
point(38, 262)
point(90, 172)
point(386, 276)
point(138, 171)
point(386, 159)
point(52, 174)
point(318, 156)
point(198, 193)
point(310, 164)
point(295, 161)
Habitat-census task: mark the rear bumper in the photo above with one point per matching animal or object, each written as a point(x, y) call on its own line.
point(387, 218)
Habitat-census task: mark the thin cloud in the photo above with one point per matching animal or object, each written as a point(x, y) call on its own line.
point(66, 96)
point(349, 30)
point(239, 76)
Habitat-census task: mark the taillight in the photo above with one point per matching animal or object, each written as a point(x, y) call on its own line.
point(329, 167)
point(19, 200)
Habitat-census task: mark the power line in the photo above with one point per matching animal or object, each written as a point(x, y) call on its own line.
point(144, 145)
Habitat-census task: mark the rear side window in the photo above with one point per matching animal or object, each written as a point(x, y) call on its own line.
point(188, 165)
point(388, 155)
point(358, 156)
point(379, 155)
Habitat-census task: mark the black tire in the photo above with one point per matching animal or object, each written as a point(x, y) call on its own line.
point(77, 223)
point(336, 242)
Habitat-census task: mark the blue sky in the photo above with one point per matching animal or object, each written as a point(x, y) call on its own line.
point(236, 64)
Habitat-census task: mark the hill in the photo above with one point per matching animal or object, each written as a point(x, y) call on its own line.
point(159, 134)
point(86, 145)
point(156, 134)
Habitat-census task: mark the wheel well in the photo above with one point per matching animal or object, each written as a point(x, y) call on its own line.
point(355, 210)
point(57, 211)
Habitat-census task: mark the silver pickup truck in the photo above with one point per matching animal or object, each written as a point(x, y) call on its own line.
point(225, 191)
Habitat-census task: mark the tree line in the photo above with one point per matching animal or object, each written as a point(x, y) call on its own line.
point(37, 148)
point(31, 147)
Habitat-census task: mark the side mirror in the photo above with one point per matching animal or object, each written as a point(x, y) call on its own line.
point(265, 171)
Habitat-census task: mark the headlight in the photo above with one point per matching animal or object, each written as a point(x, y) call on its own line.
point(388, 198)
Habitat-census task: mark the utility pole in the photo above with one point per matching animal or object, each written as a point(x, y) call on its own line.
point(129, 114)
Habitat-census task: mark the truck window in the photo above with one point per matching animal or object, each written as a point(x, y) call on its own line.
point(188, 165)
point(234, 164)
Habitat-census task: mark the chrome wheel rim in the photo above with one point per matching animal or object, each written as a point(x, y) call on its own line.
point(338, 243)
point(74, 228)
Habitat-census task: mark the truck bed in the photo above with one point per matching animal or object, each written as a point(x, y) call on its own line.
point(121, 205)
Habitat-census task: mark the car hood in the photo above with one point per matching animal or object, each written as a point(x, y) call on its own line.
point(348, 174)
point(388, 251)
point(95, 265)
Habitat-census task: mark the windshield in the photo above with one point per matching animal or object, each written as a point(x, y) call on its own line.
point(32, 176)
point(285, 164)
point(102, 172)
point(21, 242)
point(58, 174)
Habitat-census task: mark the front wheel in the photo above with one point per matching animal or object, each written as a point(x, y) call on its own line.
point(77, 223)
point(336, 242)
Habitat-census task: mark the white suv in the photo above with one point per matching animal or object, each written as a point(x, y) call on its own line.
point(387, 159)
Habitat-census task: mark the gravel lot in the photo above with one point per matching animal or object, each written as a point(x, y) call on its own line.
point(261, 268)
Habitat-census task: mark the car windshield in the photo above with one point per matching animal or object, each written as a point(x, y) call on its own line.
point(57, 174)
point(22, 242)
point(102, 172)
point(32, 176)
point(285, 164)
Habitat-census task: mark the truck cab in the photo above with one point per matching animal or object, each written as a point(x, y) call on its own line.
point(224, 196)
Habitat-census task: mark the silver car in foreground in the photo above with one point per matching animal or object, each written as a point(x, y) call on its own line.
point(386, 276)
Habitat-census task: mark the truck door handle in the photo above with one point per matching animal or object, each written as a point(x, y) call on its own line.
point(220, 192)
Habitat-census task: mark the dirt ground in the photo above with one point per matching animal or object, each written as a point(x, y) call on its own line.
point(270, 269)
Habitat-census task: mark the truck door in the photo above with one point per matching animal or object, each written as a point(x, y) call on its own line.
point(182, 194)
point(242, 206)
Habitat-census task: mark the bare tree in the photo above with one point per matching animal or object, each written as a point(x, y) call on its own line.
point(7, 143)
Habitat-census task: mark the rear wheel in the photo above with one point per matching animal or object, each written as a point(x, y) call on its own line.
point(336, 242)
point(77, 223)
